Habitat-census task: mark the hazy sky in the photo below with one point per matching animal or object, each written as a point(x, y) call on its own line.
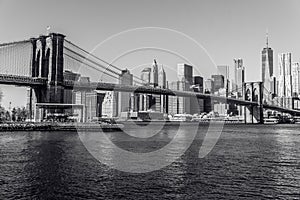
point(224, 30)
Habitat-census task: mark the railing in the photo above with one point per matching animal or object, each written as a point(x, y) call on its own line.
point(19, 80)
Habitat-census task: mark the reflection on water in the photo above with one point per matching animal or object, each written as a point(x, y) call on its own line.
point(252, 162)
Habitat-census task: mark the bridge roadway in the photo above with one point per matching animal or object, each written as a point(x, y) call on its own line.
point(40, 82)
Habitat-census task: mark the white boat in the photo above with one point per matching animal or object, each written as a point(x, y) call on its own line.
point(181, 117)
point(271, 121)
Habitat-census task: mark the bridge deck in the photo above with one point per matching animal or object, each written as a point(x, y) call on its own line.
point(30, 81)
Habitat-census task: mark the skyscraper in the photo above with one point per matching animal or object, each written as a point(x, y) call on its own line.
point(224, 71)
point(185, 73)
point(126, 78)
point(209, 86)
point(173, 100)
point(154, 73)
point(267, 67)
point(285, 80)
point(198, 84)
point(109, 105)
point(144, 102)
point(296, 79)
point(162, 83)
point(185, 81)
point(197, 104)
point(239, 75)
point(218, 82)
point(146, 75)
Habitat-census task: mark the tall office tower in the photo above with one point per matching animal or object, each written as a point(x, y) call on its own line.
point(144, 102)
point(285, 79)
point(173, 100)
point(197, 104)
point(224, 71)
point(162, 83)
point(219, 89)
point(110, 104)
point(185, 73)
point(208, 89)
point(296, 79)
point(146, 75)
point(185, 82)
point(154, 73)
point(126, 78)
point(198, 84)
point(239, 75)
point(219, 82)
point(209, 86)
point(267, 67)
point(184, 103)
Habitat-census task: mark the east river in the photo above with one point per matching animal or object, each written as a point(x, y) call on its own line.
point(247, 162)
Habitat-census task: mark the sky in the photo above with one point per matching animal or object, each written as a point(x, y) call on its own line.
point(132, 33)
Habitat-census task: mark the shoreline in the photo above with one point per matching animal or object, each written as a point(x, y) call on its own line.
point(30, 126)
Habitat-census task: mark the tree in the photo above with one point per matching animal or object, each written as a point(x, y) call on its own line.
point(1, 95)
point(13, 114)
point(24, 114)
point(2, 114)
point(7, 116)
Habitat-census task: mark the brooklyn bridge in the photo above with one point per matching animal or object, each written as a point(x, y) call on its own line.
point(40, 64)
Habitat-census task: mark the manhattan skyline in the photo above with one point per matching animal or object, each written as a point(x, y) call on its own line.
point(232, 30)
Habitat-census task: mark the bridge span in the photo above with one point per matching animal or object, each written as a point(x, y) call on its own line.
point(40, 63)
point(76, 85)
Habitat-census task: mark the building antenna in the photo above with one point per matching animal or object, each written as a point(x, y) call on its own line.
point(48, 30)
point(267, 38)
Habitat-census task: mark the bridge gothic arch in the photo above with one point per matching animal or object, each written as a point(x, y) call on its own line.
point(254, 93)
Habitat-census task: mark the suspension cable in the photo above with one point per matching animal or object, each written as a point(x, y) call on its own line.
point(90, 66)
point(109, 64)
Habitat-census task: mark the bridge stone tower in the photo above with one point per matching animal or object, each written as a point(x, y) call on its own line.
point(254, 92)
point(48, 63)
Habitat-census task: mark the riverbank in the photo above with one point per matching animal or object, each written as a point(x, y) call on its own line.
point(45, 126)
point(56, 126)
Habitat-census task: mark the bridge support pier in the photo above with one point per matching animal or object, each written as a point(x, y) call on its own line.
point(254, 92)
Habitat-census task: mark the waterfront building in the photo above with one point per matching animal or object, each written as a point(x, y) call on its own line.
point(220, 90)
point(69, 95)
point(285, 79)
point(124, 105)
point(173, 100)
point(94, 105)
point(185, 73)
point(185, 83)
point(295, 79)
point(154, 73)
point(144, 100)
point(197, 104)
point(110, 105)
point(184, 103)
point(146, 76)
point(224, 71)
point(162, 83)
point(219, 82)
point(239, 75)
point(209, 86)
point(198, 84)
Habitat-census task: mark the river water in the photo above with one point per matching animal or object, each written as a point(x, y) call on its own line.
point(247, 162)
